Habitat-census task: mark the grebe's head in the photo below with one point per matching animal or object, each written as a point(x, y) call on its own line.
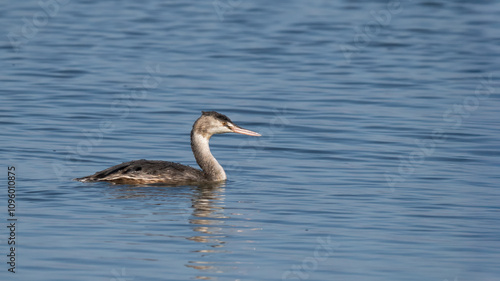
point(211, 123)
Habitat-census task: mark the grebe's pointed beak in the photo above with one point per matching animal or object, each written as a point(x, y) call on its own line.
point(242, 131)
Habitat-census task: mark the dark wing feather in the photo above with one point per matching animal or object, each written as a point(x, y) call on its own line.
point(147, 171)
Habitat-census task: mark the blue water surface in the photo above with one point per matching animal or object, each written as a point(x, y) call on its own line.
point(379, 158)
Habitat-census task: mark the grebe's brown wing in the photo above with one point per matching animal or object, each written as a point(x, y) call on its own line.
point(146, 171)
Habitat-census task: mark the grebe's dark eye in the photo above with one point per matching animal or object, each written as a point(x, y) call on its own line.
point(224, 124)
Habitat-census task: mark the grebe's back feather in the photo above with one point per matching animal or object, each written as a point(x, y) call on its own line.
point(147, 171)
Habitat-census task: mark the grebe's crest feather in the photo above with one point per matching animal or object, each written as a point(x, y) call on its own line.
point(217, 115)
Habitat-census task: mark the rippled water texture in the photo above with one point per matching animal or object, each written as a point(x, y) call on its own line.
point(379, 158)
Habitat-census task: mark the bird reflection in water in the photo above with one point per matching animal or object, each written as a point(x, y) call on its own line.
point(206, 219)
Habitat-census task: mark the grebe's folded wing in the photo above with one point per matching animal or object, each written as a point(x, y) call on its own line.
point(146, 171)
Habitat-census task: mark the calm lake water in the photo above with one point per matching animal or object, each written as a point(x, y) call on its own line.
point(379, 158)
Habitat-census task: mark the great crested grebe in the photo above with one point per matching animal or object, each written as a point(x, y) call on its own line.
point(155, 171)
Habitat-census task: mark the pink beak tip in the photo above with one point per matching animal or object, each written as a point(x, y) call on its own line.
point(240, 130)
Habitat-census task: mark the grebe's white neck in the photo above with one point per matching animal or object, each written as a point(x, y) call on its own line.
point(207, 162)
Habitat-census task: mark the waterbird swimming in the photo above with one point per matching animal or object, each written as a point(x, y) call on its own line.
point(156, 171)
